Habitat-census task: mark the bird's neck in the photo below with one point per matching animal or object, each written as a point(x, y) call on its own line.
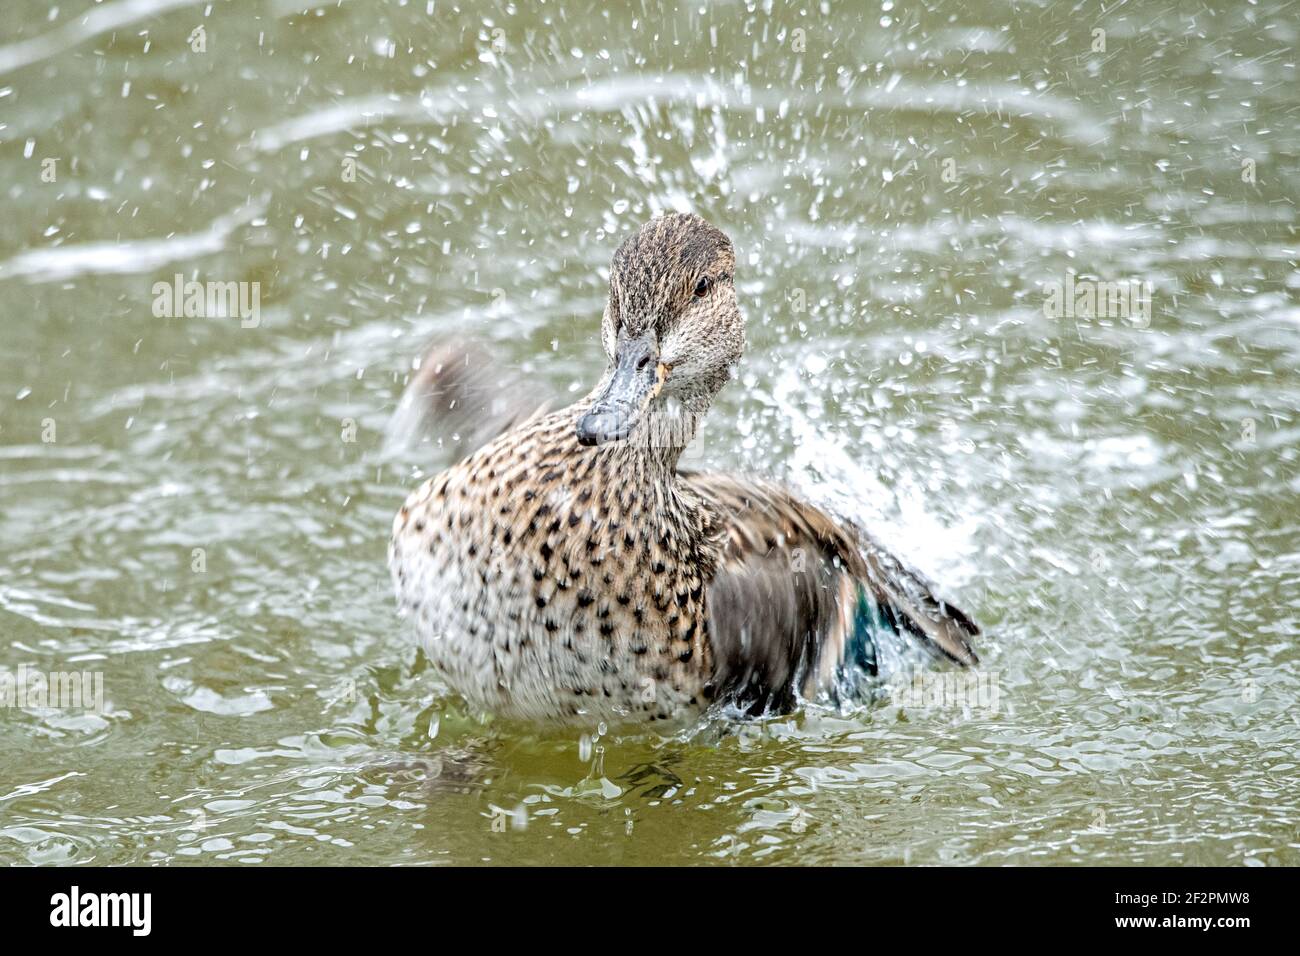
point(653, 448)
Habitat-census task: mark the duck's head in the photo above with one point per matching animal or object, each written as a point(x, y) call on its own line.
point(672, 330)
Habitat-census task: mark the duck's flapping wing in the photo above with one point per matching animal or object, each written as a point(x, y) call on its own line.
point(459, 395)
point(797, 593)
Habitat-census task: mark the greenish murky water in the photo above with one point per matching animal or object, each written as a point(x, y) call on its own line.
point(196, 508)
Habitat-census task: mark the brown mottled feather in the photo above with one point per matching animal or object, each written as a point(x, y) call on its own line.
point(781, 607)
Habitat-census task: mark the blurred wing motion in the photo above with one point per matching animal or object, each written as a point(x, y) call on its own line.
point(801, 602)
point(460, 397)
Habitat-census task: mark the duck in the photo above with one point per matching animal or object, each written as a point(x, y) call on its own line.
point(567, 571)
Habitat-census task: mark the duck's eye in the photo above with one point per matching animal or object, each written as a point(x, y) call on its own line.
point(703, 286)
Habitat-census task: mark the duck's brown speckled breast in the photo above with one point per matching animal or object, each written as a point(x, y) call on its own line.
point(552, 582)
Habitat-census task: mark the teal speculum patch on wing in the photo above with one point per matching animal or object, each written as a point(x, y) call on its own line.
point(869, 625)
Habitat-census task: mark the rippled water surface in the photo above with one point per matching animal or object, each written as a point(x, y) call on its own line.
point(197, 508)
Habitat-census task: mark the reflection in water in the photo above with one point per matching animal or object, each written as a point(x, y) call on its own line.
point(199, 510)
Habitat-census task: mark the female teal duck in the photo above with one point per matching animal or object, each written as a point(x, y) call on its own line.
point(568, 572)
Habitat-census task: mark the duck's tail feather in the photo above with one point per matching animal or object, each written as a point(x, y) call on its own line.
point(458, 396)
